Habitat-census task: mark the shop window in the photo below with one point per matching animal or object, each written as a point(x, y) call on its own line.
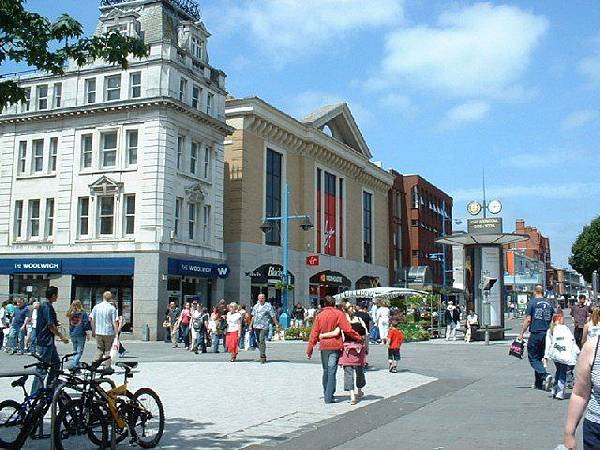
point(191, 220)
point(135, 85)
point(34, 218)
point(38, 155)
point(193, 157)
point(108, 157)
point(18, 219)
point(53, 154)
point(84, 216)
point(273, 196)
point(182, 90)
point(178, 205)
point(57, 95)
point(22, 157)
point(49, 217)
point(86, 151)
point(112, 87)
point(90, 90)
point(367, 227)
point(42, 97)
point(130, 214)
point(132, 147)
point(106, 215)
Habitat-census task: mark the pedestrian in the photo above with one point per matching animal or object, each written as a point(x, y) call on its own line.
point(354, 354)
point(585, 399)
point(298, 316)
point(31, 333)
point(383, 319)
point(309, 314)
point(46, 329)
point(396, 338)
point(234, 330)
point(537, 319)
point(263, 315)
point(201, 333)
point(3, 323)
point(562, 349)
point(247, 336)
point(452, 316)
point(173, 314)
point(592, 327)
point(18, 328)
point(79, 325)
point(105, 326)
point(580, 313)
point(472, 325)
point(216, 328)
point(184, 324)
point(328, 319)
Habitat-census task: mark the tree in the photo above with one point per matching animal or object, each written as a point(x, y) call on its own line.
point(585, 256)
point(27, 37)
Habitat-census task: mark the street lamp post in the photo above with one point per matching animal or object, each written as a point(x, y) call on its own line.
point(267, 226)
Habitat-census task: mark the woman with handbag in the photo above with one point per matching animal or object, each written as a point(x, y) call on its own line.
point(79, 325)
point(354, 355)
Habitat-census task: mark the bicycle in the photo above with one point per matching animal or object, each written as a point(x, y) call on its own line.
point(18, 421)
point(130, 414)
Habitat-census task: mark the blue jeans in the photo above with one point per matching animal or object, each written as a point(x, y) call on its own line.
point(329, 361)
point(201, 341)
point(536, 346)
point(16, 339)
point(33, 341)
point(49, 355)
point(78, 346)
point(215, 342)
point(561, 378)
point(184, 331)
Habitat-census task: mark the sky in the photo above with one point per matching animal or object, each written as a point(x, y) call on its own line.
point(441, 89)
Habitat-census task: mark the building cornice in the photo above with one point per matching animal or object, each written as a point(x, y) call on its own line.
point(125, 105)
point(269, 122)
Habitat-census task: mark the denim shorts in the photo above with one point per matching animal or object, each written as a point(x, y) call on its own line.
point(394, 354)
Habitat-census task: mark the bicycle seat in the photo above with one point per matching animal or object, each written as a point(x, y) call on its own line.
point(127, 364)
point(106, 371)
point(19, 381)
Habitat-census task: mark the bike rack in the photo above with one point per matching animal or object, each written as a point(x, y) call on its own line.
point(40, 434)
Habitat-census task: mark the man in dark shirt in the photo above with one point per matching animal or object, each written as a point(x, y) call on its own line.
point(579, 313)
point(538, 319)
point(46, 328)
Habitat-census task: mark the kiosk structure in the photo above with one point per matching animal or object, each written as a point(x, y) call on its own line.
point(483, 262)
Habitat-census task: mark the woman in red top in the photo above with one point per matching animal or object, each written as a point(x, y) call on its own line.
point(184, 324)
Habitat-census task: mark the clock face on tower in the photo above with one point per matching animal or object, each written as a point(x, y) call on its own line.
point(494, 206)
point(474, 208)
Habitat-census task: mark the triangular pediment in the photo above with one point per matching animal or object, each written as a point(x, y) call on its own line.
point(338, 122)
point(117, 13)
point(105, 185)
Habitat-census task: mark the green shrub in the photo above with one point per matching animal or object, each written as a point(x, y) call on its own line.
point(414, 332)
point(297, 334)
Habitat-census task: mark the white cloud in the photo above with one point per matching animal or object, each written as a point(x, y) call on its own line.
point(580, 118)
point(287, 29)
point(398, 103)
point(481, 50)
point(554, 157)
point(553, 191)
point(590, 65)
point(463, 114)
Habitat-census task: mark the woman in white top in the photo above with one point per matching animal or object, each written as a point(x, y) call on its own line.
point(383, 320)
point(195, 316)
point(592, 327)
point(234, 330)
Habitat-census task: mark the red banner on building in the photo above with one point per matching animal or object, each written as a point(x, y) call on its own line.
point(312, 260)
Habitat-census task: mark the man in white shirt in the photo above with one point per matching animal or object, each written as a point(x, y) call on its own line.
point(104, 322)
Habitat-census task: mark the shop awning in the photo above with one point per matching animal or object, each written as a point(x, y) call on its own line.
point(379, 293)
point(482, 238)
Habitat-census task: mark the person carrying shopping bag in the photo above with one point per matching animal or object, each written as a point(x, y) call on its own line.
point(562, 349)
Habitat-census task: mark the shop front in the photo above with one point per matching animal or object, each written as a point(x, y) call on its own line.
point(328, 283)
point(266, 279)
point(191, 280)
point(367, 282)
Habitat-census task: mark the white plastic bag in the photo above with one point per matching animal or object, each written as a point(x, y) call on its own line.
point(114, 350)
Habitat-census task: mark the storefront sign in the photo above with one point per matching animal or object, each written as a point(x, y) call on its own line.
point(36, 266)
point(269, 273)
point(476, 226)
point(197, 268)
point(330, 278)
point(312, 260)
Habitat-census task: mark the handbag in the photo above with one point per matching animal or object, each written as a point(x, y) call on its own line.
point(516, 349)
point(114, 349)
point(353, 354)
point(166, 323)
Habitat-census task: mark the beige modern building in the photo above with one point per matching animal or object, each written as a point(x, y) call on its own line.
point(325, 162)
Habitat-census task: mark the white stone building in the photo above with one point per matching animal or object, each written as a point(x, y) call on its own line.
point(112, 179)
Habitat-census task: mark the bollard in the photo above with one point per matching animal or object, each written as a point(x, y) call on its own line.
point(146, 333)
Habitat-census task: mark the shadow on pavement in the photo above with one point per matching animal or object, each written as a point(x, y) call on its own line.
point(184, 433)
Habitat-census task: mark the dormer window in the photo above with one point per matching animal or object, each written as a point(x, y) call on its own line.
point(197, 47)
point(120, 28)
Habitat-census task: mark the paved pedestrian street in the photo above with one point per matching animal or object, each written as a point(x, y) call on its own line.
point(448, 395)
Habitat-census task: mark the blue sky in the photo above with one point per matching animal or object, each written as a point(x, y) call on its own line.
point(438, 88)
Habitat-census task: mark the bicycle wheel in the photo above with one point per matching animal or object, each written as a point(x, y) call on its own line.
point(11, 424)
point(74, 427)
point(147, 418)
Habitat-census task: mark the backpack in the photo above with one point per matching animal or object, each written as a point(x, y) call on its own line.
point(198, 323)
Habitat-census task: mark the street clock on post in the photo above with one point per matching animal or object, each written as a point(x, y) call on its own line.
point(494, 206)
point(474, 208)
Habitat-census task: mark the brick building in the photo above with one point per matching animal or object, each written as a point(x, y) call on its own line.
point(419, 214)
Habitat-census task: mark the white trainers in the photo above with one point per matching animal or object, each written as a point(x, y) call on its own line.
point(548, 383)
